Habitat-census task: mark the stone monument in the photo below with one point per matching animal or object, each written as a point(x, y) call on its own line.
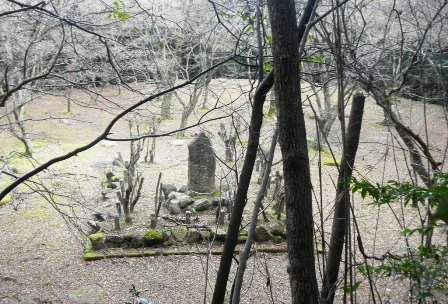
point(201, 165)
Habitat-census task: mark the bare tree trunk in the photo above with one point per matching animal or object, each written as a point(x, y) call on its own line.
point(412, 141)
point(292, 138)
point(69, 100)
point(342, 204)
point(173, 70)
point(206, 90)
point(188, 108)
point(167, 98)
point(241, 194)
point(253, 223)
point(21, 134)
point(272, 104)
point(229, 139)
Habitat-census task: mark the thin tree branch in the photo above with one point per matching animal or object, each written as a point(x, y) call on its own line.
point(105, 133)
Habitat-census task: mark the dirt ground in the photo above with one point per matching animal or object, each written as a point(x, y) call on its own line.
point(41, 252)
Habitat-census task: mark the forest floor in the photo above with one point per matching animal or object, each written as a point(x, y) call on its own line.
point(41, 252)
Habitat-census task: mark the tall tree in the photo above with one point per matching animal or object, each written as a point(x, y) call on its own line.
point(292, 138)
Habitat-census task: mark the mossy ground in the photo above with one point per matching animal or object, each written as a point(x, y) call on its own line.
point(6, 199)
point(329, 161)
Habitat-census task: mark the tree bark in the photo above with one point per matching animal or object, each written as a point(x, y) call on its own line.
point(292, 138)
point(22, 133)
point(342, 204)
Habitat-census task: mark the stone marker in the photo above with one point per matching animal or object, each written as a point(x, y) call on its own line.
point(221, 216)
point(117, 222)
point(201, 165)
point(118, 207)
point(188, 217)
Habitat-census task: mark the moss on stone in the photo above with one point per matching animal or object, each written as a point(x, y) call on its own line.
point(278, 229)
point(94, 256)
point(134, 254)
point(153, 234)
point(194, 236)
point(277, 239)
point(97, 240)
point(243, 232)
point(169, 242)
point(179, 233)
point(97, 236)
point(242, 238)
point(90, 256)
point(133, 241)
point(152, 237)
point(205, 235)
point(115, 255)
point(219, 234)
point(181, 252)
point(261, 234)
point(88, 248)
point(114, 241)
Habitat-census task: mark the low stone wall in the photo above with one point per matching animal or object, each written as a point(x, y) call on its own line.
point(181, 235)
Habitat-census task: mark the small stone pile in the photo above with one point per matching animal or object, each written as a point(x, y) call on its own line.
point(179, 201)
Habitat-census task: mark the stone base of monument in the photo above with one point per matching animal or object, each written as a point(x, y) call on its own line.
point(172, 240)
point(193, 217)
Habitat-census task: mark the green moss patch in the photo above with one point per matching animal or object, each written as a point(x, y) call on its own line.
point(277, 239)
point(152, 237)
point(319, 249)
point(6, 199)
point(180, 233)
point(149, 253)
point(98, 240)
point(90, 256)
point(329, 161)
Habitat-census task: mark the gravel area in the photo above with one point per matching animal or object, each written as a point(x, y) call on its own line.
point(41, 254)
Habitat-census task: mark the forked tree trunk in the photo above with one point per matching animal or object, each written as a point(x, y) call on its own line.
point(342, 204)
point(292, 138)
point(21, 132)
point(189, 108)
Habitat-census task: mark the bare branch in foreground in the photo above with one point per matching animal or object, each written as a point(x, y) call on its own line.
point(105, 133)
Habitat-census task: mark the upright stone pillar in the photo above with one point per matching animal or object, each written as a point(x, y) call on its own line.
point(201, 165)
